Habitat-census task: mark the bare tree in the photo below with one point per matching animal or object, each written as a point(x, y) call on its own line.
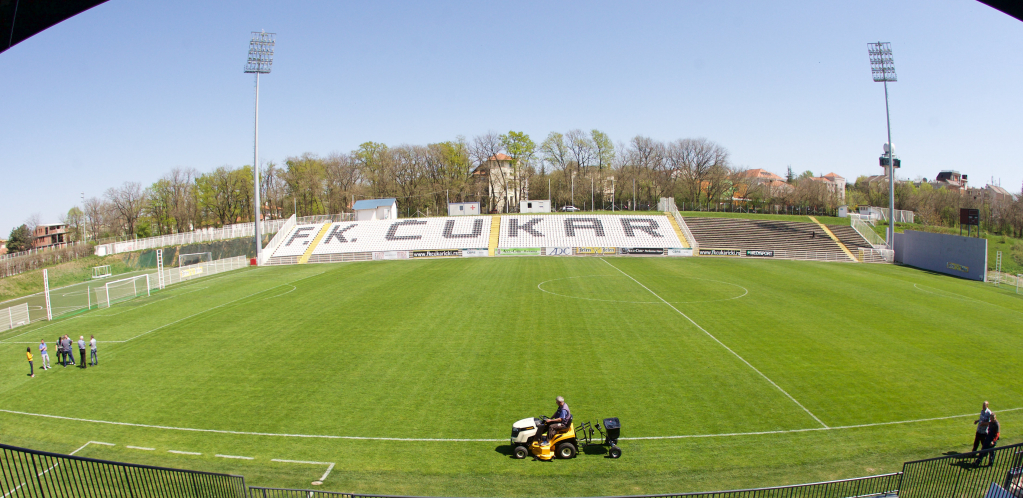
point(128, 201)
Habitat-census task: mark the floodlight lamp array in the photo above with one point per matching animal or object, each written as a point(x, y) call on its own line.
point(882, 64)
point(261, 52)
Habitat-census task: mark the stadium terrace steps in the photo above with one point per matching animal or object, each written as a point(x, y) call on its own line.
point(850, 237)
point(805, 240)
point(678, 230)
point(495, 232)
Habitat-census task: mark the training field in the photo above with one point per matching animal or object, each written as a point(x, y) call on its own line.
point(407, 375)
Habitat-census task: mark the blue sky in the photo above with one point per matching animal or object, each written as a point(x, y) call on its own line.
point(129, 90)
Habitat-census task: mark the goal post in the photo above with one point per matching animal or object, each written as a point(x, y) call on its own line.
point(194, 258)
point(101, 271)
point(123, 289)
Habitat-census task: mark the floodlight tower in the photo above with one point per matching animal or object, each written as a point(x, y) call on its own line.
point(882, 67)
point(261, 57)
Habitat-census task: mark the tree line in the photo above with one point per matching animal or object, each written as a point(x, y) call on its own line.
point(580, 168)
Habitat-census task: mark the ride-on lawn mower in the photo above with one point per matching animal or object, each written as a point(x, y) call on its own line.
point(526, 439)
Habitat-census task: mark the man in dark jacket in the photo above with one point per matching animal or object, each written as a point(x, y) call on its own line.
point(993, 433)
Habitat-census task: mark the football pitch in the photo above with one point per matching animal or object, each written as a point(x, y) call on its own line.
point(404, 377)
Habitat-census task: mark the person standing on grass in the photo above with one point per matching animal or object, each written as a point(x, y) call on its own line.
point(81, 350)
point(93, 359)
point(993, 434)
point(69, 349)
point(28, 353)
point(43, 357)
point(981, 423)
point(60, 352)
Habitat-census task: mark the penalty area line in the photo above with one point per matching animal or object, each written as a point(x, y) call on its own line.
point(748, 364)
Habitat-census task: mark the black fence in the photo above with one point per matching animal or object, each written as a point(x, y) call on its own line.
point(31, 473)
point(965, 475)
point(882, 486)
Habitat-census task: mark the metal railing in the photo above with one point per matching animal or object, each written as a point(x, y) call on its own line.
point(202, 235)
point(668, 204)
point(965, 475)
point(54, 247)
point(867, 232)
point(32, 473)
point(886, 485)
point(876, 255)
point(277, 239)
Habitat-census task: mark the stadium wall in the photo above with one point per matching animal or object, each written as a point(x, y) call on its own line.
point(964, 257)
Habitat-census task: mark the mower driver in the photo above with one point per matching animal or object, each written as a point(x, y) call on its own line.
point(560, 421)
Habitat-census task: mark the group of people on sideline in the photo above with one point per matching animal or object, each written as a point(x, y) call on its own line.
point(988, 432)
point(65, 353)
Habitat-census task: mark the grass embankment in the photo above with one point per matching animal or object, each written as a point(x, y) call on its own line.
point(437, 350)
point(72, 272)
point(1011, 248)
point(827, 220)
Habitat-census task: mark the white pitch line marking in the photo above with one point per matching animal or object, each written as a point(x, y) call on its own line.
point(768, 379)
point(330, 467)
point(236, 457)
point(468, 440)
point(176, 452)
point(139, 448)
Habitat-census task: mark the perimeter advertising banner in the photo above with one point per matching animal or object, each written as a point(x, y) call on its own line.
point(760, 254)
point(558, 251)
point(474, 253)
point(647, 251)
point(521, 251)
point(964, 257)
point(679, 251)
point(720, 252)
point(441, 253)
point(596, 250)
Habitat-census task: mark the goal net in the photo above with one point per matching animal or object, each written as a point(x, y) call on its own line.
point(101, 271)
point(194, 258)
point(122, 290)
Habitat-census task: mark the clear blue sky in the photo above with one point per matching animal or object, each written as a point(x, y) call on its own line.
point(129, 90)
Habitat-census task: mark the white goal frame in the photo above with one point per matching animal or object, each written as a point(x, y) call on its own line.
point(135, 288)
point(99, 272)
point(207, 259)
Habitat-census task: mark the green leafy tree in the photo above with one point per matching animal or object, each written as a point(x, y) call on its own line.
point(20, 239)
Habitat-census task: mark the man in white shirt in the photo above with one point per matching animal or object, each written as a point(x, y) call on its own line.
point(981, 423)
point(93, 359)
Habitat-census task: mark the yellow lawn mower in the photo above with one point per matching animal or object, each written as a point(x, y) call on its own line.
point(526, 439)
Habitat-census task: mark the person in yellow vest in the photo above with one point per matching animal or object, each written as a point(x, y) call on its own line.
point(28, 353)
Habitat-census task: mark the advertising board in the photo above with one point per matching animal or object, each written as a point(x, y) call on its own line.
point(648, 251)
point(191, 272)
point(521, 251)
point(558, 251)
point(760, 254)
point(437, 253)
point(390, 255)
point(474, 253)
point(684, 252)
point(596, 250)
point(720, 252)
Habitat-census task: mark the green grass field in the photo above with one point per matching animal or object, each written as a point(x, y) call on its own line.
point(741, 373)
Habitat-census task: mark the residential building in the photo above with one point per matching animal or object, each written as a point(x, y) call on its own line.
point(503, 187)
point(951, 180)
point(835, 184)
point(990, 194)
point(3, 246)
point(48, 235)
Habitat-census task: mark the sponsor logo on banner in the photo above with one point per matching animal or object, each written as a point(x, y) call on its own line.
point(474, 253)
point(957, 267)
point(688, 251)
point(521, 251)
point(596, 250)
point(443, 253)
point(558, 251)
point(720, 252)
point(643, 250)
point(390, 255)
point(191, 272)
point(760, 254)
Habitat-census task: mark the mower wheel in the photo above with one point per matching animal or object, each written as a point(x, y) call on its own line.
point(566, 450)
point(615, 452)
point(520, 452)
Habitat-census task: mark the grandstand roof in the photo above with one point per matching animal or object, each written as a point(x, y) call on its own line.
point(373, 203)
